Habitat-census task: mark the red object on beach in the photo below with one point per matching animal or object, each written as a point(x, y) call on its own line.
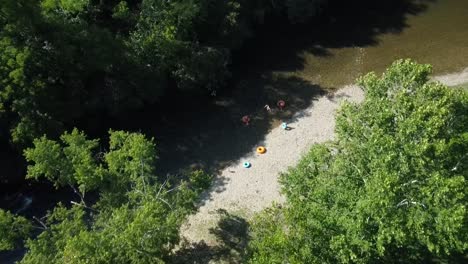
point(281, 104)
point(246, 119)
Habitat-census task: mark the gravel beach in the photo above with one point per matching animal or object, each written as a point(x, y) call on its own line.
point(245, 191)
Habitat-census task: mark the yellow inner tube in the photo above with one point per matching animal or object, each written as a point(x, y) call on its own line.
point(261, 150)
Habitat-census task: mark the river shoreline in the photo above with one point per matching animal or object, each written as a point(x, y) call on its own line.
point(244, 192)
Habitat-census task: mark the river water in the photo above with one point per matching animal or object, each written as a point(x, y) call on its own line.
point(367, 36)
point(439, 37)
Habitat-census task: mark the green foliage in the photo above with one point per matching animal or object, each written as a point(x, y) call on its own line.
point(63, 63)
point(137, 216)
point(62, 225)
point(68, 6)
point(72, 164)
point(199, 180)
point(121, 11)
point(268, 243)
point(202, 67)
point(127, 234)
point(63, 60)
point(13, 228)
point(391, 188)
point(168, 35)
point(302, 10)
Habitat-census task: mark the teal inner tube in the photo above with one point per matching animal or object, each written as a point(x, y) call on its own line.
point(246, 164)
point(284, 125)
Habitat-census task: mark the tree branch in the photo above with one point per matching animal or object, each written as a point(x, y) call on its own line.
point(84, 205)
point(40, 222)
point(79, 194)
point(459, 162)
point(162, 186)
point(165, 202)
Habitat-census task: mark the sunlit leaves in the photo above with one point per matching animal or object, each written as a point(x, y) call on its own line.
point(71, 6)
point(392, 186)
point(137, 216)
point(72, 164)
point(12, 229)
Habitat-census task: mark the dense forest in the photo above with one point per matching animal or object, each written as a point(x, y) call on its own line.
point(68, 64)
point(391, 188)
point(65, 61)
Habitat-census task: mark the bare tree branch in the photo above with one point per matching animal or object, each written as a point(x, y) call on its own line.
point(84, 205)
point(79, 194)
point(162, 186)
point(40, 222)
point(165, 202)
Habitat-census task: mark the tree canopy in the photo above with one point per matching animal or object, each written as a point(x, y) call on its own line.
point(13, 228)
point(64, 60)
point(136, 217)
point(391, 188)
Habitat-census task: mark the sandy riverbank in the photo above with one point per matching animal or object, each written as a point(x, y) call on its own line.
point(244, 191)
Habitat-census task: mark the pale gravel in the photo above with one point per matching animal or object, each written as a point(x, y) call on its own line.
point(244, 191)
point(453, 79)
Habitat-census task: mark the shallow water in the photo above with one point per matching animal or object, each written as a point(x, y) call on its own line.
point(439, 37)
point(356, 40)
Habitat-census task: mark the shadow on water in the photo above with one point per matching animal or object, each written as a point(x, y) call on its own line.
point(232, 236)
point(279, 46)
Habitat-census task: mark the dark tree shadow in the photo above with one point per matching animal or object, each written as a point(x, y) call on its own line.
point(232, 235)
point(278, 44)
point(209, 135)
point(194, 132)
point(200, 132)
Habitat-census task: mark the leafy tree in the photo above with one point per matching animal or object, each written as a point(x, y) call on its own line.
point(302, 10)
point(13, 228)
point(177, 37)
point(73, 164)
point(61, 61)
point(64, 60)
point(391, 188)
point(137, 216)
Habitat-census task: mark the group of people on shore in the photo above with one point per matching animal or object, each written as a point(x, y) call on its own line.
point(280, 104)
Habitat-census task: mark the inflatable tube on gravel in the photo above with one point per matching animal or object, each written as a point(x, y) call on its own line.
point(261, 150)
point(246, 165)
point(281, 104)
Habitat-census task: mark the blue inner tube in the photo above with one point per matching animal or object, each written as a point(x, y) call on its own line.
point(246, 164)
point(284, 125)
